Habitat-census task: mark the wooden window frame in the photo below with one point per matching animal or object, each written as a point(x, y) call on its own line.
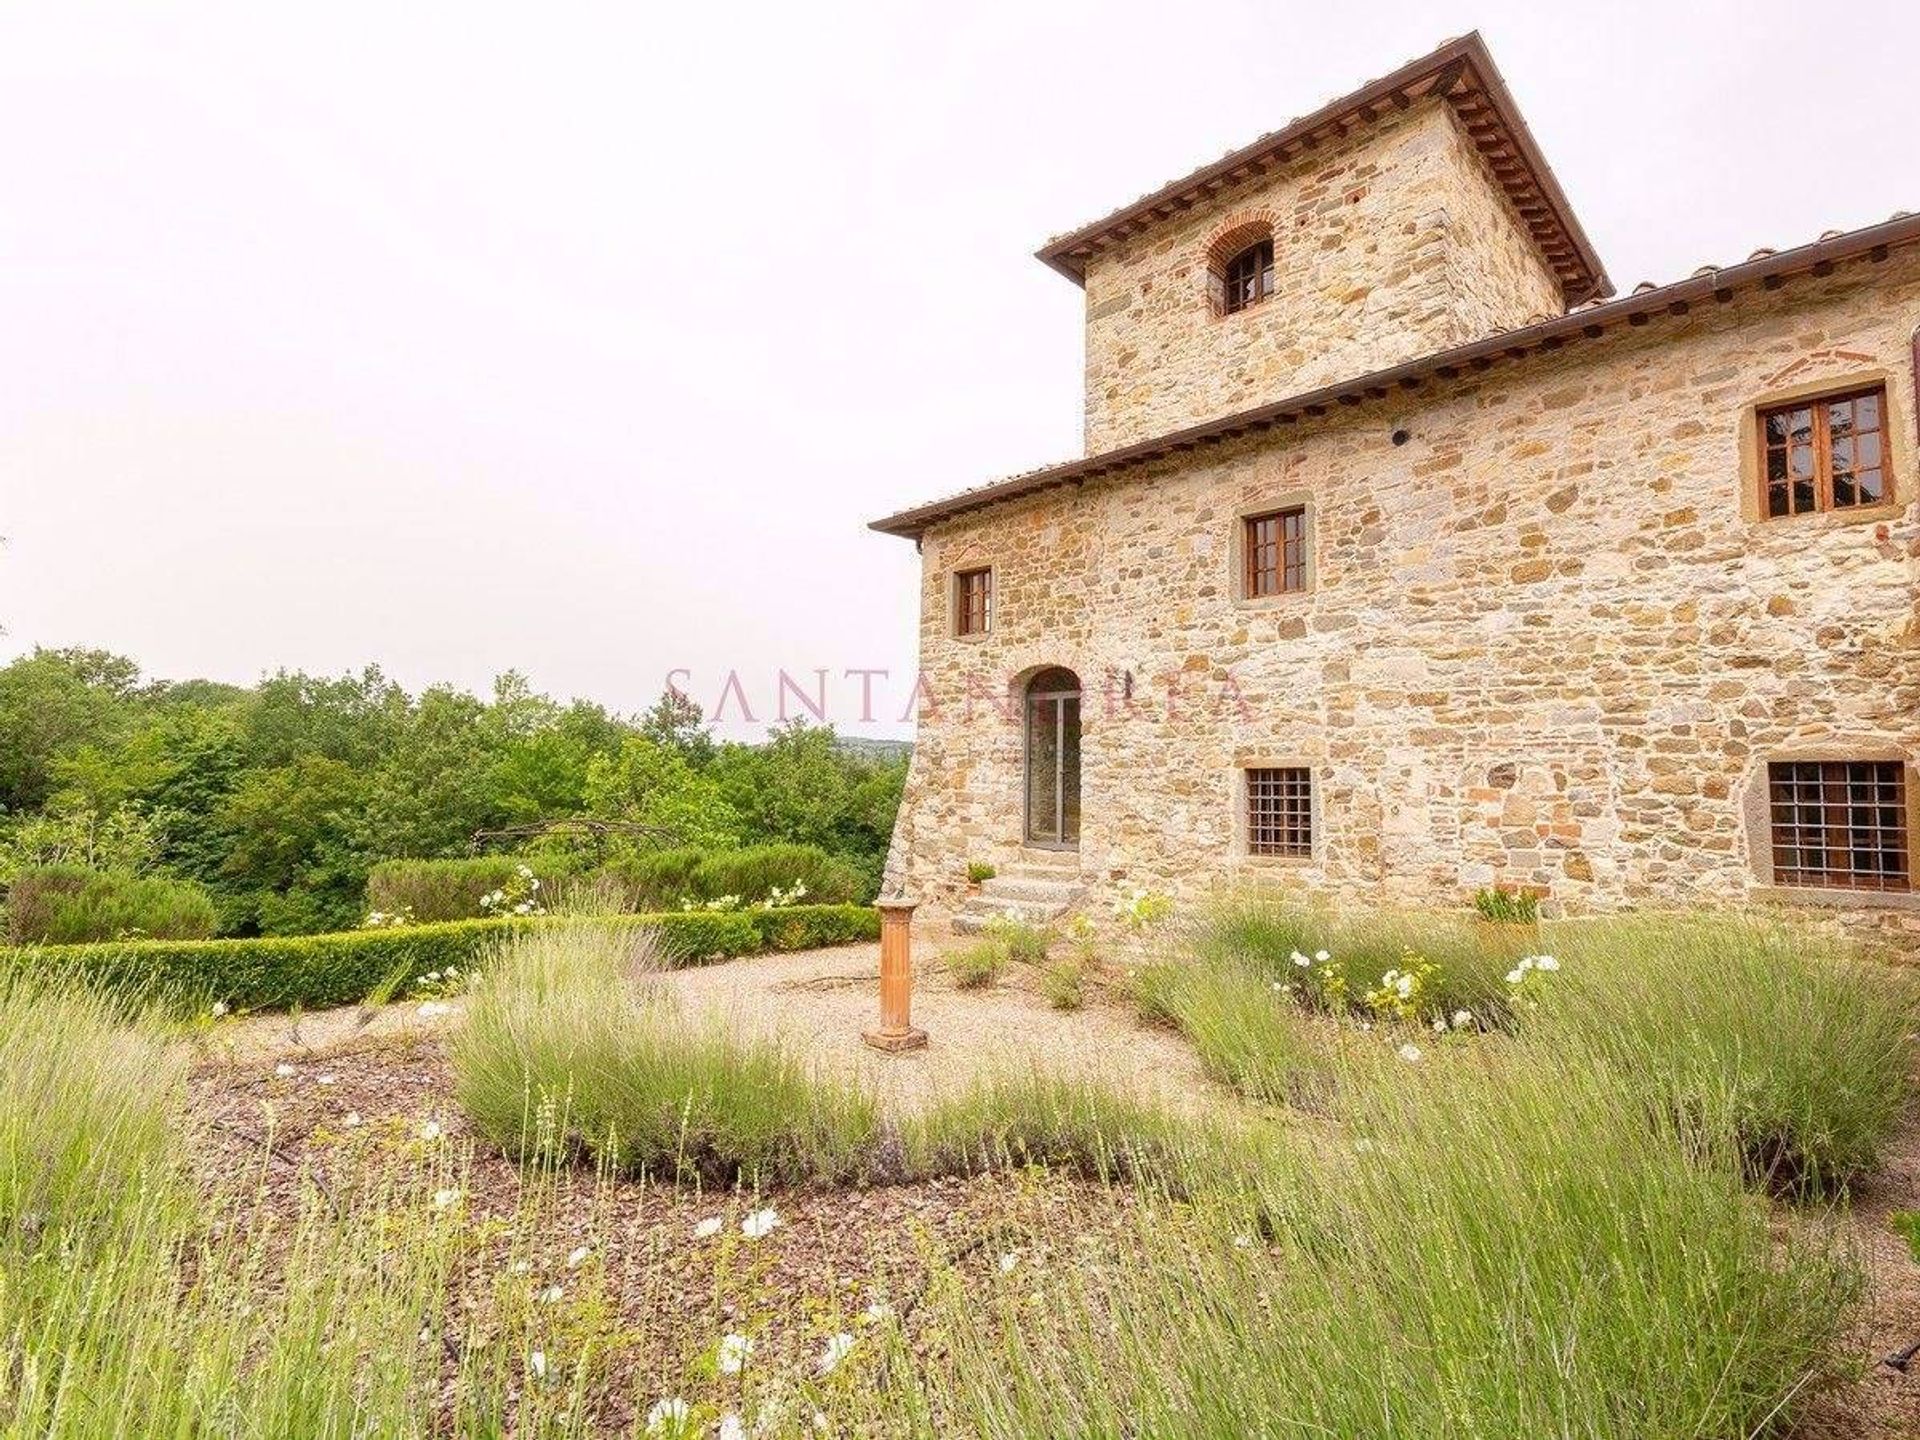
point(972, 621)
point(1243, 292)
point(1280, 566)
point(1837, 812)
point(1279, 811)
point(1817, 402)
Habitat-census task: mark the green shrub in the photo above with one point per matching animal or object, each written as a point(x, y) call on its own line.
point(657, 881)
point(70, 904)
point(1063, 982)
point(1025, 944)
point(752, 874)
point(348, 966)
point(437, 890)
point(1761, 1036)
point(561, 1056)
point(976, 966)
point(979, 872)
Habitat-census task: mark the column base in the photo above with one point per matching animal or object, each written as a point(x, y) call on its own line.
point(895, 1041)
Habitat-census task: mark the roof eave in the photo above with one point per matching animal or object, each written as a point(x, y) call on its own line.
point(1871, 242)
point(1441, 70)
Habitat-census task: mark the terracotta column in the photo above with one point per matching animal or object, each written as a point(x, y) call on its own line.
point(896, 1030)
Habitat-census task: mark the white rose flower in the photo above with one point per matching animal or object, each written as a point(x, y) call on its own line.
point(837, 1349)
point(760, 1224)
point(667, 1417)
point(735, 1350)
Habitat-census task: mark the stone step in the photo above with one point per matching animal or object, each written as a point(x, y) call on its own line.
point(1035, 856)
point(1026, 886)
point(980, 911)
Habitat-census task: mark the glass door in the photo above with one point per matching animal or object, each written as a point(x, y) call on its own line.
point(1053, 765)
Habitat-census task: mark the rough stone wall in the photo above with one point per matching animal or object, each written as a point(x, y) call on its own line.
point(1548, 645)
point(1496, 277)
point(1392, 244)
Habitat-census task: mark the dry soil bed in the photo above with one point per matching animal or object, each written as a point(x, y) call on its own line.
point(841, 1250)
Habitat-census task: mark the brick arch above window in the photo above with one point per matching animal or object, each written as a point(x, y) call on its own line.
point(1236, 233)
point(1240, 262)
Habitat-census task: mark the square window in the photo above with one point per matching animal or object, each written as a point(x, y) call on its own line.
point(1274, 551)
point(972, 601)
point(1838, 823)
point(1280, 811)
point(1826, 454)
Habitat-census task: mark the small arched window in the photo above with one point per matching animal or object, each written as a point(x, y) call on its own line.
point(1240, 267)
point(1249, 276)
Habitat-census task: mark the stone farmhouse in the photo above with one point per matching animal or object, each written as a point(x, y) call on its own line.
point(1407, 559)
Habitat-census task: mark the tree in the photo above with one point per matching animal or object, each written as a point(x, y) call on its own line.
point(295, 861)
point(649, 783)
point(54, 702)
point(679, 723)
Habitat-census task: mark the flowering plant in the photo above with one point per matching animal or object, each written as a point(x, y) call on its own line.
point(776, 899)
point(792, 895)
point(439, 982)
point(1143, 908)
point(519, 896)
point(1403, 991)
point(1527, 980)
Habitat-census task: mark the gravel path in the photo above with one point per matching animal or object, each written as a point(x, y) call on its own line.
point(819, 1001)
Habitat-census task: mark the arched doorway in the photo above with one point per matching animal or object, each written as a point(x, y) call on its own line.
point(1053, 759)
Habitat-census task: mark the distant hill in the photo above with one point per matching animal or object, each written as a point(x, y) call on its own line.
point(874, 749)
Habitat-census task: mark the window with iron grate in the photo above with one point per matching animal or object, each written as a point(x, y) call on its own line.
point(1839, 823)
point(1280, 811)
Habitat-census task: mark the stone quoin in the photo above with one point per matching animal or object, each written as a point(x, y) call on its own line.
point(1507, 581)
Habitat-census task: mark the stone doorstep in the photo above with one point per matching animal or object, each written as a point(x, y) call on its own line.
point(1037, 895)
point(978, 913)
point(1026, 886)
point(1034, 857)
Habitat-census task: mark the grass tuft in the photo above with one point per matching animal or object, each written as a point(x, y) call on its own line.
point(1763, 1037)
point(564, 1055)
point(978, 965)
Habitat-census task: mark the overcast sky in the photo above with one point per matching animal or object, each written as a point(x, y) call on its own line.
point(587, 342)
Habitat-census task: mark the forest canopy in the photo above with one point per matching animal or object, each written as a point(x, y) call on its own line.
point(279, 798)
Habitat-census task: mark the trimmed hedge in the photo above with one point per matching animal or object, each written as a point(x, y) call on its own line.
point(812, 927)
point(316, 971)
